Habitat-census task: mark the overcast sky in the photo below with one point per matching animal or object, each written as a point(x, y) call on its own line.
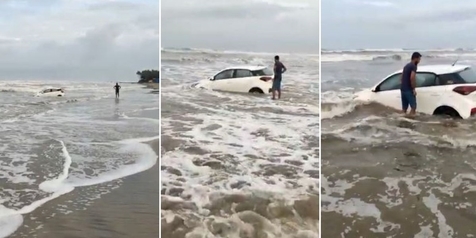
point(246, 25)
point(79, 39)
point(356, 24)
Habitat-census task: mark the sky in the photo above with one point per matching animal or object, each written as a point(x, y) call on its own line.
point(78, 39)
point(245, 25)
point(392, 24)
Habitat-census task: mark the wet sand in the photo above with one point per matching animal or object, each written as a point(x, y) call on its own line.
point(132, 210)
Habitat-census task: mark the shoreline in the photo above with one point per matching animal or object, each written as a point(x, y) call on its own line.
point(130, 210)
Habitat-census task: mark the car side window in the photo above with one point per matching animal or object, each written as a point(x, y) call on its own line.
point(263, 72)
point(258, 73)
point(224, 75)
point(425, 80)
point(391, 83)
point(448, 79)
point(243, 73)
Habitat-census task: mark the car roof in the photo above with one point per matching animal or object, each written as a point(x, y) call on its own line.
point(248, 67)
point(440, 68)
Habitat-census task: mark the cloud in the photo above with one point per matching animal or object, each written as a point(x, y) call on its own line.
point(398, 24)
point(251, 25)
point(371, 3)
point(379, 3)
point(90, 39)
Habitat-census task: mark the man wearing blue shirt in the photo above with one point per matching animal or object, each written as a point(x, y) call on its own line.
point(279, 69)
point(408, 86)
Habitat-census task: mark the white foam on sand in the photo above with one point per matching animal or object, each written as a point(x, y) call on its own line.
point(231, 143)
point(429, 188)
point(9, 224)
point(11, 219)
point(153, 120)
point(146, 160)
point(54, 184)
point(337, 103)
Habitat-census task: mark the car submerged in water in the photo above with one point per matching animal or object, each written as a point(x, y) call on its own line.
point(240, 79)
point(441, 90)
point(51, 92)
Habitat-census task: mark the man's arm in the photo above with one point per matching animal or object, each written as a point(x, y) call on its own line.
point(284, 68)
point(413, 78)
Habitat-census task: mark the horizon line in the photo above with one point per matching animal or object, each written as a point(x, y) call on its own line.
point(400, 49)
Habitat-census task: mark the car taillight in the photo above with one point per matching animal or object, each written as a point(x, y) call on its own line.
point(464, 90)
point(473, 111)
point(266, 79)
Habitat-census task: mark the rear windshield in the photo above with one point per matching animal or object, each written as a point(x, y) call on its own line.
point(468, 75)
point(51, 90)
point(262, 72)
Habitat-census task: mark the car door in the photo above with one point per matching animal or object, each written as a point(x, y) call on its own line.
point(428, 92)
point(221, 80)
point(241, 81)
point(388, 93)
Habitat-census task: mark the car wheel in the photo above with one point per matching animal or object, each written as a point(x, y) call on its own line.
point(256, 90)
point(447, 111)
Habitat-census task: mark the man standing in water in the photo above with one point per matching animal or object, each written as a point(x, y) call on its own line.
point(408, 86)
point(117, 87)
point(279, 69)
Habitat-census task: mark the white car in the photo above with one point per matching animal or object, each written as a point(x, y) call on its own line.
point(244, 79)
point(51, 92)
point(441, 90)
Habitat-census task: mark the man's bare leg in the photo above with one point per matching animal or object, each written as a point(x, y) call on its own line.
point(274, 94)
point(279, 94)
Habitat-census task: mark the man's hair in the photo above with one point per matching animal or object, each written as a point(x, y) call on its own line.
point(416, 55)
point(276, 57)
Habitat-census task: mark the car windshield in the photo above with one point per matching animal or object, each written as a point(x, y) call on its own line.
point(263, 72)
point(468, 75)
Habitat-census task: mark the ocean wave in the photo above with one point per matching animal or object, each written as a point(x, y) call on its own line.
point(199, 51)
point(352, 109)
point(193, 51)
point(330, 51)
point(394, 55)
point(8, 90)
point(244, 60)
point(388, 57)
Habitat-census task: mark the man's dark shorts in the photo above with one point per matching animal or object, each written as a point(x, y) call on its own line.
point(408, 99)
point(277, 84)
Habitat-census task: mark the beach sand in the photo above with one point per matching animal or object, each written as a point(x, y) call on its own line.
point(132, 210)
